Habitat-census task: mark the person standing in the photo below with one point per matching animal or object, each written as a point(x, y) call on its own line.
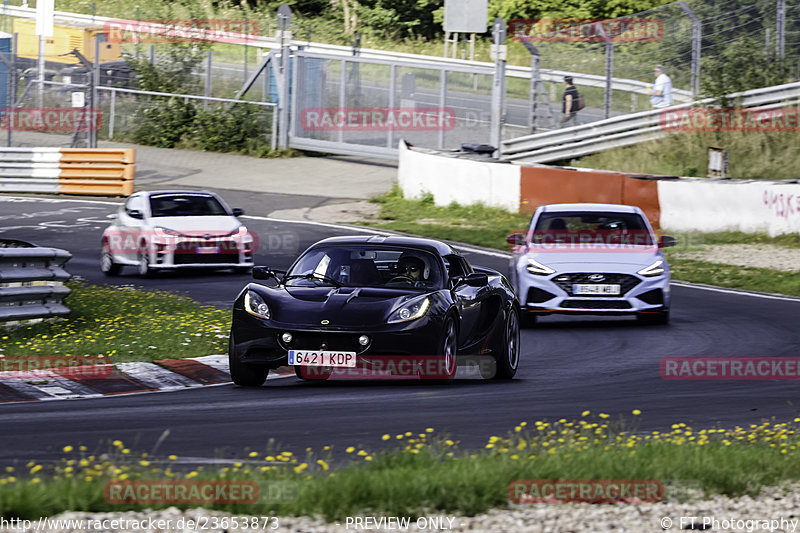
point(569, 103)
point(661, 93)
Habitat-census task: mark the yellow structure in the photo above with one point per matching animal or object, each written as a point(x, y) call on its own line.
point(64, 40)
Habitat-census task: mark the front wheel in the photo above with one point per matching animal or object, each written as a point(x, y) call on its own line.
point(243, 374)
point(507, 348)
point(448, 349)
point(143, 266)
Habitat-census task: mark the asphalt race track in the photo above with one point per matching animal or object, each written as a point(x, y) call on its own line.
point(569, 365)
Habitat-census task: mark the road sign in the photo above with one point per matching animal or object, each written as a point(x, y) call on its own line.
point(499, 30)
point(284, 17)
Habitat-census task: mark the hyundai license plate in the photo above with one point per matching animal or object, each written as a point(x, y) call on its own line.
point(595, 288)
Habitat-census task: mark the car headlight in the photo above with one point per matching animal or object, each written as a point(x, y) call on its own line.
point(656, 269)
point(535, 267)
point(241, 231)
point(255, 305)
point(410, 310)
point(163, 232)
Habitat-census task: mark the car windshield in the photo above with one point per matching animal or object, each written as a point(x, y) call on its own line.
point(590, 227)
point(366, 266)
point(185, 205)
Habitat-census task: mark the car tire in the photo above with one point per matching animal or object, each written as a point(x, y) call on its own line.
point(506, 349)
point(448, 347)
point(243, 374)
point(143, 265)
point(661, 318)
point(527, 319)
point(108, 266)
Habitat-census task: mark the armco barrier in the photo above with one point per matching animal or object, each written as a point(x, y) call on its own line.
point(670, 203)
point(84, 171)
point(31, 281)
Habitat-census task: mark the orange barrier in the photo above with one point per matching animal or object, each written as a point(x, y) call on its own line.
point(541, 185)
point(98, 155)
point(98, 172)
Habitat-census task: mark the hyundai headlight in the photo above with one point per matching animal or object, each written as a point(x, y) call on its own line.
point(656, 269)
point(411, 310)
point(538, 269)
point(255, 305)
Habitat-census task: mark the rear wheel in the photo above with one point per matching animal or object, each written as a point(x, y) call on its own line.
point(660, 318)
point(243, 374)
point(506, 352)
point(108, 266)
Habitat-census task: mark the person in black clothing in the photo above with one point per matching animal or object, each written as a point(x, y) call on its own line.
point(569, 103)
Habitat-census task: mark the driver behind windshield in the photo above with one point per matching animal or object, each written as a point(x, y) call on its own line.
point(411, 267)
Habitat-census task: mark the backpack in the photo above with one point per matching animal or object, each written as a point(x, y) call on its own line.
point(581, 101)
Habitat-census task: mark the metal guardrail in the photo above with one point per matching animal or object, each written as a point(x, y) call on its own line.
point(514, 71)
point(32, 281)
point(626, 130)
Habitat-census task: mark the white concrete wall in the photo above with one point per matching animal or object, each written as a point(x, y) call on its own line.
point(694, 204)
point(464, 181)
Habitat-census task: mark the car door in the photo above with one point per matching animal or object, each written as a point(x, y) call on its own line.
point(469, 300)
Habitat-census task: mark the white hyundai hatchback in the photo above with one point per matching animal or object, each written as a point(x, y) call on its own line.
point(587, 258)
point(167, 230)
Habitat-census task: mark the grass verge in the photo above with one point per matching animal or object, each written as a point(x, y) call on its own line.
point(424, 472)
point(125, 324)
point(752, 155)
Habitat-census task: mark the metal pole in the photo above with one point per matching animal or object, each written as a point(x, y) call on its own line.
point(284, 98)
point(245, 52)
point(442, 101)
point(273, 142)
point(781, 29)
point(95, 100)
point(111, 112)
point(12, 92)
point(152, 55)
point(697, 42)
point(609, 73)
point(392, 89)
point(342, 103)
point(498, 88)
point(209, 60)
point(40, 76)
point(534, 87)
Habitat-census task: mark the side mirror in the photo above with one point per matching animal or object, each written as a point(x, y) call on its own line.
point(135, 213)
point(238, 211)
point(476, 279)
point(516, 239)
point(666, 241)
point(261, 272)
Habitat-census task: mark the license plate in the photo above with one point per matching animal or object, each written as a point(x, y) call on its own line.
point(207, 249)
point(322, 358)
point(595, 288)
